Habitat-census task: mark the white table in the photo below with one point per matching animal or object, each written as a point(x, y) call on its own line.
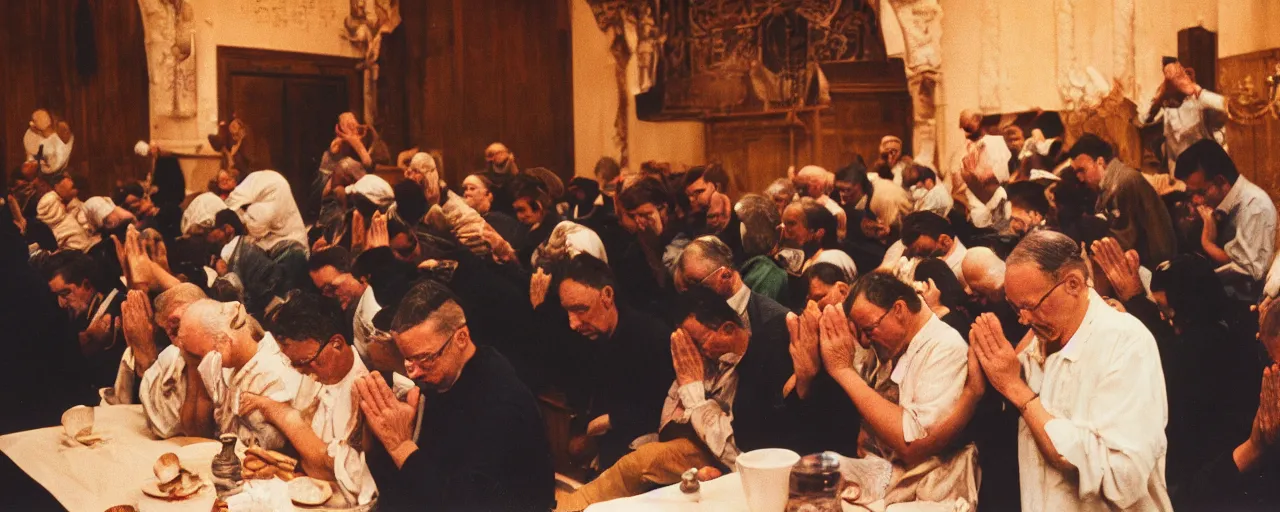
point(93, 479)
point(724, 494)
point(111, 473)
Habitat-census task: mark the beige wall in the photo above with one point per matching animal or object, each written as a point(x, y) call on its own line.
point(1027, 32)
point(1250, 26)
point(595, 106)
point(308, 26)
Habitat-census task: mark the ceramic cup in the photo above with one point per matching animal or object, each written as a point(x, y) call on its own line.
point(766, 478)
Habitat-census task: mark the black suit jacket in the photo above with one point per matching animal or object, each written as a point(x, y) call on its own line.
point(763, 417)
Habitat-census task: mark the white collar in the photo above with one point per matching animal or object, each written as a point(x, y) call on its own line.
point(739, 301)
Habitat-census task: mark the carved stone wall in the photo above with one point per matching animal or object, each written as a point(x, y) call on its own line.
point(921, 22)
point(171, 57)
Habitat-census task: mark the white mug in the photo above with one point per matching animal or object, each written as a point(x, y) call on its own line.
point(766, 478)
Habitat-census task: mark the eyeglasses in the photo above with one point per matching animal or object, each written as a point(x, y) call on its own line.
point(703, 282)
point(426, 360)
point(1019, 309)
point(312, 359)
point(866, 331)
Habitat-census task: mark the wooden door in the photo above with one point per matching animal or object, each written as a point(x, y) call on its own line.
point(291, 102)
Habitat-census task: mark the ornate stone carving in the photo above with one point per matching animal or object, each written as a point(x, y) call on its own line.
point(368, 21)
point(171, 58)
point(989, 79)
point(921, 22)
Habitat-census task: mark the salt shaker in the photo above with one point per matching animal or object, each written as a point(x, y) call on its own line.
point(690, 487)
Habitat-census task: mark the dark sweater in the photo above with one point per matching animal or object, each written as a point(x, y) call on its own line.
point(630, 374)
point(482, 447)
point(763, 417)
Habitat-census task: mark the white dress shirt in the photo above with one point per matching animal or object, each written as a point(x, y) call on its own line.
point(162, 392)
point(1251, 221)
point(937, 200)
point(1185, 125)
point(268, 373)
point(930, 375)
point(1105, 389)
point(992, 214)
point(1272, 288)
point(269, 213)
point(335, 418)
point(362, 325)
point(708, 407)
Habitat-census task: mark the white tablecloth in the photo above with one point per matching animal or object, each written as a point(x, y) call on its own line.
point(724, 494)
point(92, 479)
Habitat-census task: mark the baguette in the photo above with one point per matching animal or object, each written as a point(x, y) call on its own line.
point(254, 464)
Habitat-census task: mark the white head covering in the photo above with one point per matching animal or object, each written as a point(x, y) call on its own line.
point(202, 211)
point(1043, 176)
point(841, 260)
point(567, 240)
point(56, 153)
point(96, 209)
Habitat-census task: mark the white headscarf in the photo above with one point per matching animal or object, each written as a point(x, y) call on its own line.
point(567, 240)
point(202, 211)
point(56, 153)
point(96, 209)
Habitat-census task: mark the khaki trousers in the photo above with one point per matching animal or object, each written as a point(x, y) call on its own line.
point(650, 466)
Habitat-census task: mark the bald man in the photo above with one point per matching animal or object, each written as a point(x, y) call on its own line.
point(227, 353)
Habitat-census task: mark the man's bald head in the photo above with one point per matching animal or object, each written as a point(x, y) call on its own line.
point(984, 273)
point(172, 304)
point(209, 325)
point(816, 181)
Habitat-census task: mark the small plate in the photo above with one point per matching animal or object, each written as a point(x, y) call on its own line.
point(309, 492)
point(152, 489)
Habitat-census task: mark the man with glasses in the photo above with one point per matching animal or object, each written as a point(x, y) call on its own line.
point(93, 312)
point(322, 421)
point(469, 436)
point(908, 373)
point(1089, 387)
point(226, 354)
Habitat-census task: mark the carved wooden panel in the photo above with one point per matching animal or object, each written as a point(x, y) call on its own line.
point(757, 150)
point(468, 73)
point(868, 101)
point(1254, 148)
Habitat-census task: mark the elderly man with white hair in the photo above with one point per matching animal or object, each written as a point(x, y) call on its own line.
point(226, 353)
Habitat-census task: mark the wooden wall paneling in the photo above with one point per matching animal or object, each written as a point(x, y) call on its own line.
point(108, 108)
point(1254, 148)
point(756, 150)
point(481, 71)
point(291, 101)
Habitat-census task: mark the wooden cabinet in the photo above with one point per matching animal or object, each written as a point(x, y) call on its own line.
point(868, 101)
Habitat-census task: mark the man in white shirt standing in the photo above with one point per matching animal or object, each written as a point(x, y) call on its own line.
point(1182, 106)
point(1092, 401)
point(1239, 218)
